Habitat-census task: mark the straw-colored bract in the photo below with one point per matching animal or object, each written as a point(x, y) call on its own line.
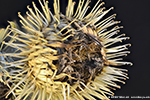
point(63, 56)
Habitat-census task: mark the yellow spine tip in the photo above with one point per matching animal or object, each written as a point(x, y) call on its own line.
point(33, 3)
point(124, 78)
point(103, 3)
point(124, 34)
point(118, 22)
point(3, 42)
point(19, 13)
point(113, 94)
point(112, 7)
point(121, 26)
point(131, 64)
point(28, 6)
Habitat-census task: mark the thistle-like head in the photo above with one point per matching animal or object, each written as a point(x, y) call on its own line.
point(63, 56)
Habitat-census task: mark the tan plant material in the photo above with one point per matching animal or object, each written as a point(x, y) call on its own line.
point(63, 56)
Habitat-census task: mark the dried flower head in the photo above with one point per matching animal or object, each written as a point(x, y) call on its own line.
point(61, 56)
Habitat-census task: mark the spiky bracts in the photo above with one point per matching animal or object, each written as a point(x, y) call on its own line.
point(63, 56)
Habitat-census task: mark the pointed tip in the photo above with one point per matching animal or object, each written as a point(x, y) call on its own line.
point(126, 74)
point(121, 26)
point(131, 64)
point(129, 45)
point(104, 8)
point(3, 42)
point(118, 22)
point(8, 21)
point(33, 3)
point(19, 13)
point(28, 6)
point(47, 2)
point(112, 8)
point(119, 87)
point(103, 3)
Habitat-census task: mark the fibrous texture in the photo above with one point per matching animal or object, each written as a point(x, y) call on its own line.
point(63, 56)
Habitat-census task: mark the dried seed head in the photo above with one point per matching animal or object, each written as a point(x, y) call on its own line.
point(63, 56)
